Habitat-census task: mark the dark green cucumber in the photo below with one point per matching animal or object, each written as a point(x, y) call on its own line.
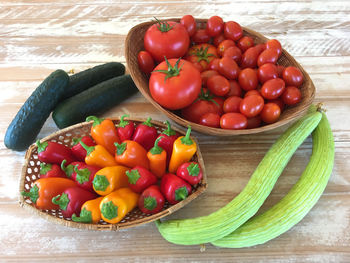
point(32, 115)
point(93, 101)
point(92, 76)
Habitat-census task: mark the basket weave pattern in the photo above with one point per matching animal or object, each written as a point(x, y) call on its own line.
point(134, 44)
point(31, 168)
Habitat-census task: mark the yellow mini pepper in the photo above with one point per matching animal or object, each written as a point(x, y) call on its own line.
point(183, 150)
point(109, 179)
point(90, 212)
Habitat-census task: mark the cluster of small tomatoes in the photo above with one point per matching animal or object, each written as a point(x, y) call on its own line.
point(216, 75)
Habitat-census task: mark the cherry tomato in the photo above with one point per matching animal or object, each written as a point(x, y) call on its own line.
point(280, 69)
point(251, 105)
point(197, 109)
point(214, 64)
point(249, 58)
point(293, 76)
point(206, 74)
point(145, 61)
point(218, 39)
point(189, 23)
point(228, 67)
point(252, 92)
point(173, 43)
point(275, 44)
point(266, 72)
point(248, 79)
point(235, 89)
point(291, 96)
point(200, 36)
point(268, 56)
point(245, 42)
point(279, 102)
point(273, 88)
point(219, 104)
point(215, 25)
point(210, 119)
point(218, 85)
point(233, 121)
point(231, 104)
point(260, 48)
point(233, 30)
point(201, 54)
point(233, 52)
point(175, 92)
point(270, 113)
point(254, 122)
point(225, 45)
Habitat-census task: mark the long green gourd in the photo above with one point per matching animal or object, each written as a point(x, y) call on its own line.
point(227, 219)
point(297, 203)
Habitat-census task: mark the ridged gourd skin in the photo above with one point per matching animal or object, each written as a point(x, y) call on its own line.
point(228, 218)
point(298, 201)
point(31, 117)
point(93, 101)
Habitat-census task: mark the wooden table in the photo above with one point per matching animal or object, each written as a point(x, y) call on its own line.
point(39, 36)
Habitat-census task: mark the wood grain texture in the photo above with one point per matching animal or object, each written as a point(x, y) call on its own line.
point(39, 36)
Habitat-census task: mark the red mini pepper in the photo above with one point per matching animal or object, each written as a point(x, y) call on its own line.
point(81, 173)
point(51, 170)
point(78, 150)
point(125, 129)
point(174, 188)
point(151, 200)
point(53, 152)
point(191, 172)
point(167, 142)
point(71, 200)
point(145, 134)
point(140, 178)
point(44, 189)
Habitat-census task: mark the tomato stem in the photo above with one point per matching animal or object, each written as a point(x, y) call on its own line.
point(172, 71)
point(163, 26)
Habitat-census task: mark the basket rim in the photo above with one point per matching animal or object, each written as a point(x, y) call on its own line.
point(111, 227)
point(210, 130)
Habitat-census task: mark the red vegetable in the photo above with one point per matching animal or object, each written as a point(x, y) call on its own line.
point(78, 150)
point(167, 141)
point(71, 200)
point(51, 170)
point(139, 178)
point(53, 152)
point(174, 188)
point(145, 134)
point(189, 23)
point(191, 172)
point(151, 200)
point(125, 129)
point(145, 62)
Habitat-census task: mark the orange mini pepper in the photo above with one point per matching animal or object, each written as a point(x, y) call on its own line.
point(90, 212)
point(130, 154)
point(109, 179)
point(117, 204)
point(157, 159)
point(98, 155)
point(104, 133)
point(183, 150)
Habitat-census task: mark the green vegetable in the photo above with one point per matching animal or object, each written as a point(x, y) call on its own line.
point(297, 203)
point(92, 76)
point(224, 221)
point(93, 101)
point(29, 120)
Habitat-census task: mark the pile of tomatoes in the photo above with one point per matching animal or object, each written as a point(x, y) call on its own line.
point(217, 76)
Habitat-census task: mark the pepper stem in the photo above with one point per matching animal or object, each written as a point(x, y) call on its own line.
point(100, 182)
point(181, 193)
point(186, 139)
point(76, 141)
point(41, 146)
point(85, 216)
point(83, 175)
point(109, 210)
point(33, 193)
point(148, 122)
point(61, 200)
point(68, 170)
point(123, 122)
point(150, 203)
point(120, 147)
point(97, 121)
point(169, 131)
point(89, 149)
point(45, 168)
point(156, 149)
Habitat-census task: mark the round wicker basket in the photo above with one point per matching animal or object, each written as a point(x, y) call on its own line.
point(31, 168)
point(134, 44)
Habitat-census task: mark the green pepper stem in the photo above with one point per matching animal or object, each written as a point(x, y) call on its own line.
point(33, 193)
point(85, 216)
point(89, 149)
point(157, 149)
point(123, 122)
point(97, 121)
point(148, 122)
point(121, 148)
point(169, 131)
point(76, 141)
point(186, 139)
point(41, 146)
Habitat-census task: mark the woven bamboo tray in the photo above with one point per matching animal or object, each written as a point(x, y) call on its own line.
point(134, 44)
point(31, 168)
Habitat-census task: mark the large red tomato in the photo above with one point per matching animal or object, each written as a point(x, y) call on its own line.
point(175, 83)
point(166, 39)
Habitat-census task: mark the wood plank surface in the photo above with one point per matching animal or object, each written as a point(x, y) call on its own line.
point(39, 36)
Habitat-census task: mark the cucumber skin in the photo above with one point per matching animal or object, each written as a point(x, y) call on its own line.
point(93, 101)
point(29, 120)
point(92, 76)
